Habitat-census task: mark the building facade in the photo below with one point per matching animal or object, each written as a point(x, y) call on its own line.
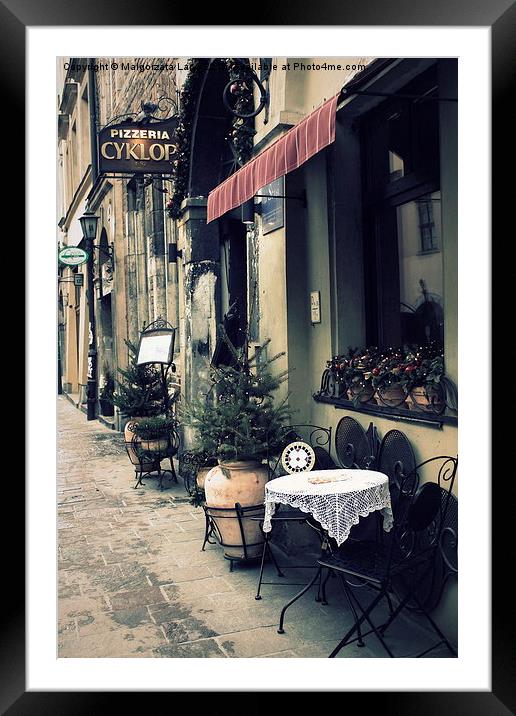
point(134, 281)
point(353, 246)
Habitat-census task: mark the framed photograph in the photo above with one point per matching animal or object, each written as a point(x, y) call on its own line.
point(394, 163)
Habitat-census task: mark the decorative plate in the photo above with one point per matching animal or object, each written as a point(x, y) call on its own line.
point(298, 457)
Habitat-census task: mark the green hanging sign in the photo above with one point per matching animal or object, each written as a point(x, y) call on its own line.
point(72, 256)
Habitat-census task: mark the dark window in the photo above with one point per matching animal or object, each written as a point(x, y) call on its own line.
point(402, 219)
point(427, 225)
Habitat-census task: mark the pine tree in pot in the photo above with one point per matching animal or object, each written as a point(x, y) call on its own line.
point(239, 423)
point(138, 395)
point(154, 433)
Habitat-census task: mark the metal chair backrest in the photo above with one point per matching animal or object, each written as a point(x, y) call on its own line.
point(315, 436)
point(445, 564)
point(245, 517)
point(396, 460)
point(421, 512)
point(351, 444)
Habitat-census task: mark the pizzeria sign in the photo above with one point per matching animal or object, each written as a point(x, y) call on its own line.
point(137, 147)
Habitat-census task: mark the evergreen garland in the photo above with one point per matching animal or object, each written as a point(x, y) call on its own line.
point(183, 135)
point(241, 132)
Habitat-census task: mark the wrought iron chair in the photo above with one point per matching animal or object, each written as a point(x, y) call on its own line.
point(246, 548)
point(147, 455)
point(297, 455)
point(423, 538)
point(354, 447)
point(396, 458)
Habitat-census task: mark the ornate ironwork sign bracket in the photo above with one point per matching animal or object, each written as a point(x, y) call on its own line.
point(238, 87)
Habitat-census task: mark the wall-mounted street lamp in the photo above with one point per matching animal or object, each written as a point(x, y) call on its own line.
point(89, 224)
point(248, 211)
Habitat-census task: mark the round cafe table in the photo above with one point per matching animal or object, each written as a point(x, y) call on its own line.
point(337, 499)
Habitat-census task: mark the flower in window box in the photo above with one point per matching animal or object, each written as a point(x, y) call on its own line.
point(428, 386)
point(389, 379)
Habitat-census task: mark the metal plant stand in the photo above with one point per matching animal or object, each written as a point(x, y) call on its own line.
point(214, 515)
point(166, 447)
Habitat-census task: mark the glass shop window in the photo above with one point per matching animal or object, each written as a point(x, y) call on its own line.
point(402, 218)
point(420, 270)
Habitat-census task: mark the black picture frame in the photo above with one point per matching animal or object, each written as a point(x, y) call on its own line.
point(500, 16)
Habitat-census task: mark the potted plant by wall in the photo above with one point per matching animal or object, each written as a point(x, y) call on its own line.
point(154, 433)
point(204, 463)
point(358, 376)
point(106, 394)
point(238, 423)
point(390, 379)
point(428, 385)
point(138, 395)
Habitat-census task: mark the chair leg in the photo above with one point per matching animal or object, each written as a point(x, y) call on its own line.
point(207, 531)
point(173, 470)
point(262, 564)
point(138, 478)
point(439, 633)
point(298, 596)
point(318, 597)
point(278, 568)
point(328, 575)
point(360, 641)
point(393, 614)
point(374, 629)
point(358, 623)
point(389, 602)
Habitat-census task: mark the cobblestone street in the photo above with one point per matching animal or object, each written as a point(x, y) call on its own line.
point(133, 581)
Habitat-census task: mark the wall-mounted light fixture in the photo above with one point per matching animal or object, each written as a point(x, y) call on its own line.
point(173, 253)
point(247, 209)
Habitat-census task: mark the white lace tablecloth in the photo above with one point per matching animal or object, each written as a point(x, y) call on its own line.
point(337, 504)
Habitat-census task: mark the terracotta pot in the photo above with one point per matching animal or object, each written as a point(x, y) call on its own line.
point(130, 441)
point(392, 396)
point(157, 445)
point(429, 399)
point(365, 393)
point(201, 477)
point(224, 486)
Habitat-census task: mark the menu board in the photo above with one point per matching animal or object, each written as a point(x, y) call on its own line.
point(156, 348)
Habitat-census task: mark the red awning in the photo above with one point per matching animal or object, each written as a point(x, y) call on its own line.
point(287, 153)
